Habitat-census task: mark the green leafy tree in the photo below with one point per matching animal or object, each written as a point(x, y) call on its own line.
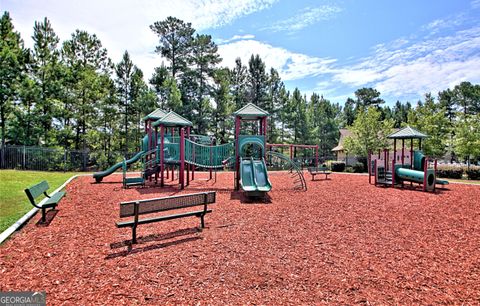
point(467, 137)
point(369, 133)
point(429, 118)
point(175, 40)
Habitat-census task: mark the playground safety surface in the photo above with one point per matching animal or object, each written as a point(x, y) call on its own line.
point(343, 241)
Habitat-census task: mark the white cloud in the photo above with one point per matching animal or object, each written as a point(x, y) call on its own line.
point(234, 38)
point(305, 18)
point(425, 66)
point(123, 24)
point(290, 65)
point(475, 4)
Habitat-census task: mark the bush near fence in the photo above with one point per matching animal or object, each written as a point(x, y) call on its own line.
point(458, 171)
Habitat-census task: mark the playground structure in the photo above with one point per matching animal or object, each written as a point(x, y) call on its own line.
point(169, 145)
point(400, 166)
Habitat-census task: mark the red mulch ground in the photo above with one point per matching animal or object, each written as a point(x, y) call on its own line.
point(342, 241)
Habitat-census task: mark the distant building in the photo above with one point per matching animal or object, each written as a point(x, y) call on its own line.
point(339, 150)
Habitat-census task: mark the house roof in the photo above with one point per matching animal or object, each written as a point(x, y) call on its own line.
point(407, 133)
point(343, 134)
point(155, 115)
point(251, 111)
point(172, 119)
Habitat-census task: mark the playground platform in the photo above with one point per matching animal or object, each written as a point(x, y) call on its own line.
point(341, 242)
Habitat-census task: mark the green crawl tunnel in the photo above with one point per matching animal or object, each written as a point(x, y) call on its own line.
point(417, 176)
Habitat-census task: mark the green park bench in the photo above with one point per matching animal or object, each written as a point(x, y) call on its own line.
point(150, 206)
point(41, 188)
point(319, 170)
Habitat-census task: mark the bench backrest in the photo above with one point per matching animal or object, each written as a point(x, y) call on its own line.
point(127, 209)
point(315, 169)
point(36, 190)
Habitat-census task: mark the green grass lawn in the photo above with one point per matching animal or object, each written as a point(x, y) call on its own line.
point(13, 200)
point(476, 182)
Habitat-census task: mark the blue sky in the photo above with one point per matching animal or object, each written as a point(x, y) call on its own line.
point(402, 48)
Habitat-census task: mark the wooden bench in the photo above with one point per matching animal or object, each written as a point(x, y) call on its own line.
point(41, 188)
point(319, 170)
point(142, 207)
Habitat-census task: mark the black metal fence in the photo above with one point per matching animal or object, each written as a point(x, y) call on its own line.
point(53, 159)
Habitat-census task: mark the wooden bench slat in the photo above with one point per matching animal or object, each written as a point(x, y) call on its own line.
point(162, 218)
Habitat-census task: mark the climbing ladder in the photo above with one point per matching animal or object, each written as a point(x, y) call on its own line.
point(286, 163)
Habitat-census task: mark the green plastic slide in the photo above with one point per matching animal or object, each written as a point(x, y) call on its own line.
point(254, 177)
point(260, 175)
point(98, 176)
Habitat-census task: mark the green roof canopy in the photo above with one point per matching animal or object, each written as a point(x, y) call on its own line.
point(172, 119)
point(155, 115)
point(251, 111)
point(407, 133)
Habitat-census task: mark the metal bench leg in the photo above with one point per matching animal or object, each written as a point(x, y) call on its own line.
point(202, 220)
point(134, 234)
point(44, 215)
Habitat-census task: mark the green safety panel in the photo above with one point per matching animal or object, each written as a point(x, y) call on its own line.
point(208, 156)
point(251, 139)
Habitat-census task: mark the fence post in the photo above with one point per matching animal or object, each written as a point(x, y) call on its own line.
point(23, 159)
point(84, 165)
point(64, 160)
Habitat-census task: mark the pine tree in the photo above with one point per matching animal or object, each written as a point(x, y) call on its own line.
point(204, 58)
point(223, 123)
point(239, 84)
point(87, 62)
point(46, 71)
point(12, 56)
point(175, 40)
point(257, 81)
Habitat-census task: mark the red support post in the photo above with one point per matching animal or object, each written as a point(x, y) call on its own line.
point(181, 175)
point(369, 167)
point(376, 171)
point(393, 173)
point(162, 155)
point(237, 153)
point(425, 166)
point(435, 174)
point(403, 151)
point(411, 153)
point(316, 156)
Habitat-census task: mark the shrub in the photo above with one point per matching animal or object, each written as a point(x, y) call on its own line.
point(473, 173)
point(358, 167)
point(448, 171)
point(337, 166)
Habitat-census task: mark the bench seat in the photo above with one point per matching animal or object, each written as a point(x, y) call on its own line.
point(55, 198)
